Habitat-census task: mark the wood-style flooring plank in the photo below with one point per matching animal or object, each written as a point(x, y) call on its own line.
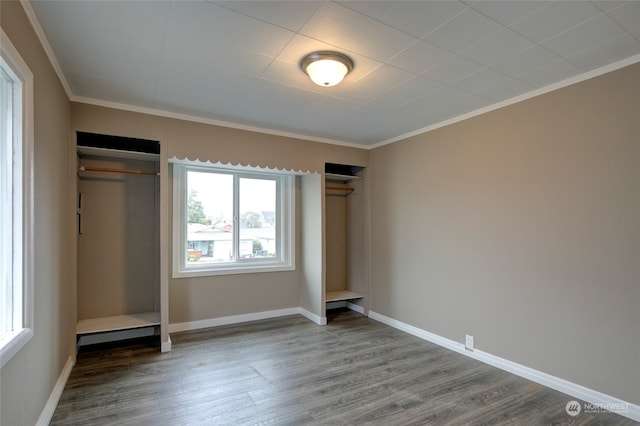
point(289, 371)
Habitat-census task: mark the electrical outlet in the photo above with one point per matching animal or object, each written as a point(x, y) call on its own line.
point(468, 343)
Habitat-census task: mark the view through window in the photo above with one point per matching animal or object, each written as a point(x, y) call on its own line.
point(213, 217)
point(232, 220)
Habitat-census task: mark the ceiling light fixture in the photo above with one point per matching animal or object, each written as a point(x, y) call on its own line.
point(326, 68)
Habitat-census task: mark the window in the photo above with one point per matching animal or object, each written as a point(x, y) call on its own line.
point(231, 220)
point(16, 199)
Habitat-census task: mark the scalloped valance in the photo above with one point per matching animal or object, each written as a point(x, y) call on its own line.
point(239, 166)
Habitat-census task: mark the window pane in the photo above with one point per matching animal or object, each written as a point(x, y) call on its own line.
point(6, 200)
point(257, 218)
point(209, 218)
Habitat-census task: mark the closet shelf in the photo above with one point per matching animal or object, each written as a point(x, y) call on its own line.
point(337, 296)
point(117, 153)
point(340, 178)
point(118, 322)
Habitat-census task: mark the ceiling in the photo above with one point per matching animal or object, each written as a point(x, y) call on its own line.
point(417, 63)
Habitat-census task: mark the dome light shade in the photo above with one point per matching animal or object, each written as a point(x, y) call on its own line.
point(326, 68)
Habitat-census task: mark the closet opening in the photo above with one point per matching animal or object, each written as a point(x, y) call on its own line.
point(118, 238)
point(345, 233)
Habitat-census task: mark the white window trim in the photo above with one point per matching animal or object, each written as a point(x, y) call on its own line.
point(286, 234)
point(24, 262)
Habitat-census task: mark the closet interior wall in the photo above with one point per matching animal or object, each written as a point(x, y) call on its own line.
point(336, 231)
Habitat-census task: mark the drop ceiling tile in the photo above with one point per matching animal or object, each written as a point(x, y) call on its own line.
point(481, 80)
point(452, 70)
point(508, 12)
point(420, 18)
point(608, 5)
point(373, 9)
point(77, 44)
point(331, 109)
point(405, 93)
point(174, 89)
point(346, 29)
point(524, 61)
point(291, 15)
point(606, 53)
point(380, 42)
point(364, 124)
point(336, 25)
point(434, 100)
point(627, 15)
point(554, 19)
point(339, 119)
point(110, 70)
point(206, 72)
point(497, 47)
point(461, 103)
point(584, 36)
point(507, 89)
point(139, 23)
point(93, 86)
point(220, 57)
point(300, 46)
point(462, 106)
point(420, 57)
point(209, 24)
point(374, 84)
point(549, 73)
point(463, 31)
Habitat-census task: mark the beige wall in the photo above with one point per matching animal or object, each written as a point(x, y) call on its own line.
point(202, 298)
point(311, 262)
point(521, 227)
point(27, 380)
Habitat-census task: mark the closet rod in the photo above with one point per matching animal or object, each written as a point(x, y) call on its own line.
point(102, 169)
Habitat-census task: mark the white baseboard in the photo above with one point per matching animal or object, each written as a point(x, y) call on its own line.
point(50, 407)
point(313, 317)
point(578, 391)
point(166, 346)
point(357, 308)
point(233, 319)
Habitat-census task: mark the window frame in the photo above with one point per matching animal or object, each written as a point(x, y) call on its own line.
point(22, 261)
point(285, 224)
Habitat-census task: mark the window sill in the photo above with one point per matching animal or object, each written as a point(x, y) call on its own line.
point(12, 343)
point(232, 270)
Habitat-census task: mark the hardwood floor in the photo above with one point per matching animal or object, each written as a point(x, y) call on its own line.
point(289, 371)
